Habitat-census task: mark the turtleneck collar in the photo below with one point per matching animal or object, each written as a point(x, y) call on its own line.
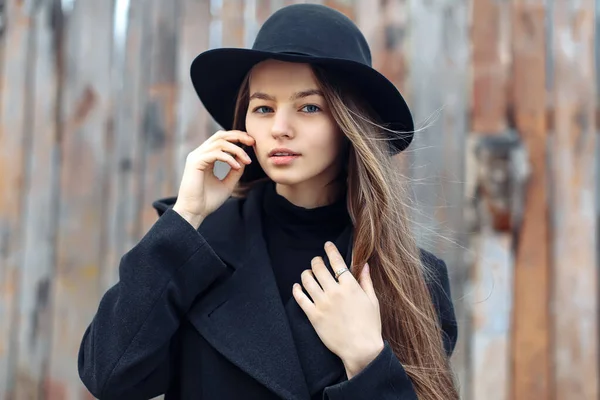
point(331, 218)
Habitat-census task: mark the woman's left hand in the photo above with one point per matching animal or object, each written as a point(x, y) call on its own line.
point(345, 313)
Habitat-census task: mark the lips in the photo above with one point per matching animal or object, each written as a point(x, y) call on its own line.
point(282, 160)
point(283, 153)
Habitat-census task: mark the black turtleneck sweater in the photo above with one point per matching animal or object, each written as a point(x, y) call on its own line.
point(294, 235)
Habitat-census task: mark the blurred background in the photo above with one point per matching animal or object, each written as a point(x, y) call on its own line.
point(97, 114)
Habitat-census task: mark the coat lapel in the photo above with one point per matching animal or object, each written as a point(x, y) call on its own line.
point(243, 318)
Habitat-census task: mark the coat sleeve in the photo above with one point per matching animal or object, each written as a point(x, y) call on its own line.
point(126, 351)
point(385, 378)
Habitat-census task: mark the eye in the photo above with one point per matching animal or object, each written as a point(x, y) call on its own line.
point(311, 108)
point(263, 110)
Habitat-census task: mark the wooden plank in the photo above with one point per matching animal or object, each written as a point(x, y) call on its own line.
point(159, 109)
point(193, 123)
point(531, 368)
point(392, 55)
point(125, 164)
point(492, 276)
point(574, 184)
point(597, 75)
point(367, 15)
point(39, 245)
point(493, 265)
point(31, 331)
point(229, 17)
point(385, 27)
point(491, 65)
point(438, 77)
point(264, 9)
point(232, 17)
point(346, 7)
point(84, 123)
point(17, 40)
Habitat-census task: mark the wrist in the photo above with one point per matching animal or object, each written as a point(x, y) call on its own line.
point(359, 361)
point(193, 219)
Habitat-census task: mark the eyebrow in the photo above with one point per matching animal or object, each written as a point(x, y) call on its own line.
point(295, 96)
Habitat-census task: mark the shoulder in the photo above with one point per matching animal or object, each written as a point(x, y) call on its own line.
point(431, 260)
point(438, 283)
point(435, 268)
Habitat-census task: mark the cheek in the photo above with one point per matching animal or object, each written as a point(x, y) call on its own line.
point(256, 129)
point(329, 142)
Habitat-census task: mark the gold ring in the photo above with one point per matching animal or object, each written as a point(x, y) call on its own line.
point(340, 272)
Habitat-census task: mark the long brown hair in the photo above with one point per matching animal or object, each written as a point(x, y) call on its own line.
point(382, 237)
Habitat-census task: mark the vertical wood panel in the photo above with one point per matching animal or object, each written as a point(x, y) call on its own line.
point(264, 9)
point(232, 17)
point(193, 122)
point(17, 53)
point(491, 65)
point(597, 78)
point(346, 7)
point(493, 277)
point(574, 187)
point(531, 322)
point(159, 125)
point(393, 56)
point(33, 333)
point(367, 14)
point(125, 183)
point(493, 265)
point(438, 78)
point(439, 61)
point(85, 124)
point(384, 25)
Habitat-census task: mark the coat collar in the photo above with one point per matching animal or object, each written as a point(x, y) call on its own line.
point(243, 317)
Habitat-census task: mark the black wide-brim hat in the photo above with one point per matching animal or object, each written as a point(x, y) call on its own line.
point(304, 33)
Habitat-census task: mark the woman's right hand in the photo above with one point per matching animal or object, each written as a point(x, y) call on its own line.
point(201, 192)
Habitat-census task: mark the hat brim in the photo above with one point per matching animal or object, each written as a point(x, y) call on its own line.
point(218, 74)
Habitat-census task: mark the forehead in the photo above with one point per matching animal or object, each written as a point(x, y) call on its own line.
point(273, 75)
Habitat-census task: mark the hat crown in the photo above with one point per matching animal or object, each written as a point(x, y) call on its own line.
point(313, 30)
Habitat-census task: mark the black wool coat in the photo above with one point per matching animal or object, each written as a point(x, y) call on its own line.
point(196, 314)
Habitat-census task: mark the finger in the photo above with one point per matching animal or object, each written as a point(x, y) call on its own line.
point(303, 301)
point(366, 283)
point(233, 136)
point(206, 160)
point(324, 277)
point(231, 148)
point(233, 176)
point(311, 285)
point(337, 263)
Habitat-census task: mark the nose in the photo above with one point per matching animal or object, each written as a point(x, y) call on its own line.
point(282, 125)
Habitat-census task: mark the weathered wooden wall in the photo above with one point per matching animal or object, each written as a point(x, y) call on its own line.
point(97, 114)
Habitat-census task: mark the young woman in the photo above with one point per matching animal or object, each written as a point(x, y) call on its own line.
point(295, 276)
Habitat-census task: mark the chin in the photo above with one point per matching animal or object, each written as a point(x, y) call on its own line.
point(288, 178)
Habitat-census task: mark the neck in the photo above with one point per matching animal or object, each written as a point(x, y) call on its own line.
point(308, 195)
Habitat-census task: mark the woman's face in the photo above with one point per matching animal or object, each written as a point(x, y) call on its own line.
point(297, 139)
